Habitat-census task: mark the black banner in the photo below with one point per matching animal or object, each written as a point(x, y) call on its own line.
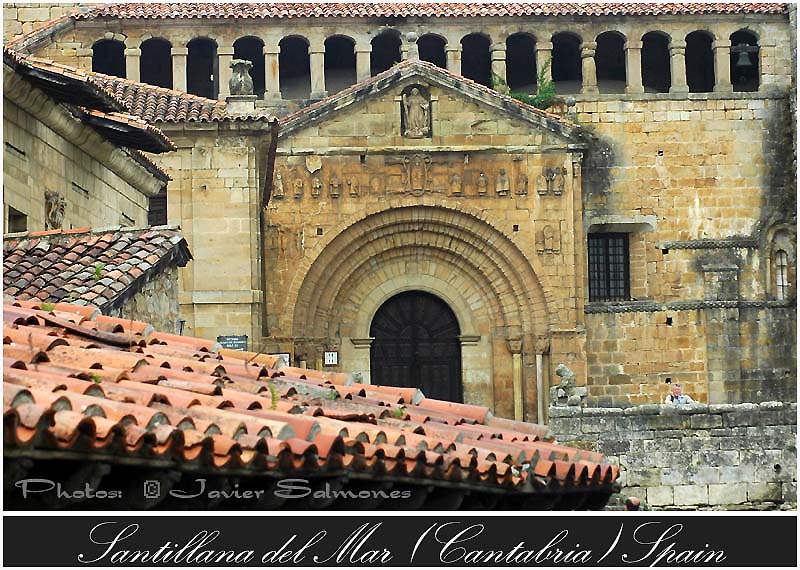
point(533, 539)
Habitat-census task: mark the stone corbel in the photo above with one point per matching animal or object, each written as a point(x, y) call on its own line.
point(469, 339)
point(362, 342)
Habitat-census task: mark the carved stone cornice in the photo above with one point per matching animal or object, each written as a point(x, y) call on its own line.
point(58, 118)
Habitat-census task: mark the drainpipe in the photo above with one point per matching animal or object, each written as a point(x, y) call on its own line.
point(268, 169)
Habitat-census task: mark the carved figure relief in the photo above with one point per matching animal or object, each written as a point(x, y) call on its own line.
point(241, 83)
point(316, 187)
point(353, 187)
point(416, 118)
point(522, 184)
point(277, 190)
point(55, 206)
point(552, 181)
point(335, 188)
point(558, 183)
point(549, 240)
point(376, 185)
point(502, 185)
point(455, 185)
point(299, 187)
point(416, 173)
point(482, 184)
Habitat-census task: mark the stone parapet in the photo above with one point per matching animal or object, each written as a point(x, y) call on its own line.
point(699, 456)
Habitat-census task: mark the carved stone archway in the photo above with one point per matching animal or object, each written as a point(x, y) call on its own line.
point(490, 284)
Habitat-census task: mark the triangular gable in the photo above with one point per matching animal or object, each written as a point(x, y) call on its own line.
point(436, 76)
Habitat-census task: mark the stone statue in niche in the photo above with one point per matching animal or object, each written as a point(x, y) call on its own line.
point(299, 187)
point(335, 188)
point(455, 185)
point(543, 184)
point(417, 173)
point(55, 207)
point(550, 241)
point(502, 185)
point(552, 181)
point(241, 83)
point(482, 184)
point(277, 190)
point(376, 186)
point(416, 114)
point(353, 186)
point(522, 184)
point(316, 187)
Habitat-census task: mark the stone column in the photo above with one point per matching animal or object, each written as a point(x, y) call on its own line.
point(453, 59)
point(272, 82)
point(363, 53)
point(722, 66)
point(498, 51)
point(132, 59)
point(179, 55)
point(224, 59)
point(588, 67)
point(677, 52)
point(633, 66)
point(317, 60)
point(544, 53)
point(515, 347)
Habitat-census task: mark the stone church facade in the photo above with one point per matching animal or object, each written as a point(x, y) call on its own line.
point(410, 219)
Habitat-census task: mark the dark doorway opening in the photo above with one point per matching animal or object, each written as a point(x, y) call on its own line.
point(699, 62)
point(385, 52)
point(566, 68)
point(155, 65)
point(108, 56)
point(609, 61)
point(656, 74)
point(294, 67)
point(521, 63)
point(476, 62)
point(201, 68)
point(340, 63)
point(432, 49)
point(252, 49)
point(416, 345)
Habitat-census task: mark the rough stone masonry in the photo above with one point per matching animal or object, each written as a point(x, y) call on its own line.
point(718, 456)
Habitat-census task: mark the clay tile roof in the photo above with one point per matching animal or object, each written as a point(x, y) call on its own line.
point(102, 268)
point(128, 131)
point(79, 385)
point(287, 10)
point(161, 105)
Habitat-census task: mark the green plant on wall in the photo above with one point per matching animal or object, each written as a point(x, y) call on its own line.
point(545, 94)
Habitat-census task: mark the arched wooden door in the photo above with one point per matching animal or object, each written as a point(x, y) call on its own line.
point(416, 345)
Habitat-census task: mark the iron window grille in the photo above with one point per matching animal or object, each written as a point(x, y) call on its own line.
point(609, 267)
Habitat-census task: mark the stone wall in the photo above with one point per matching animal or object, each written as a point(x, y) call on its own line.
point(156, 303)
point(695, 456)
point(23, 17)
point(100, 183)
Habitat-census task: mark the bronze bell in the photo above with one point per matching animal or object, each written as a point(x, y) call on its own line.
point(743, 59)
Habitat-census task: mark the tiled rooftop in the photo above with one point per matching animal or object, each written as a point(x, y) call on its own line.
point(411, 9)
point(78, 385)
point(102, 268)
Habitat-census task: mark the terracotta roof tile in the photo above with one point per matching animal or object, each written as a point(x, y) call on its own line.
point(59, 266)
point(199, 416)
point(239, 10)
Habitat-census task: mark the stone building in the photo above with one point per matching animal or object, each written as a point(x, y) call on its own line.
point(641, 230)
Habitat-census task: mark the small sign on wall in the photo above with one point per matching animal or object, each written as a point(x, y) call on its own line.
point(233, 342)
point(286, 357)
point(331, 358)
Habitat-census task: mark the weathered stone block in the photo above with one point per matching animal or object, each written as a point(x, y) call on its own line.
point(660, 496)
point(764, 492)
point(727, 494)
point(690, 494)
point(706, 421)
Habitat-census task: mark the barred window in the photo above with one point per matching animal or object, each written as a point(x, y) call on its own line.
point(781, 275)
point(609, 271)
